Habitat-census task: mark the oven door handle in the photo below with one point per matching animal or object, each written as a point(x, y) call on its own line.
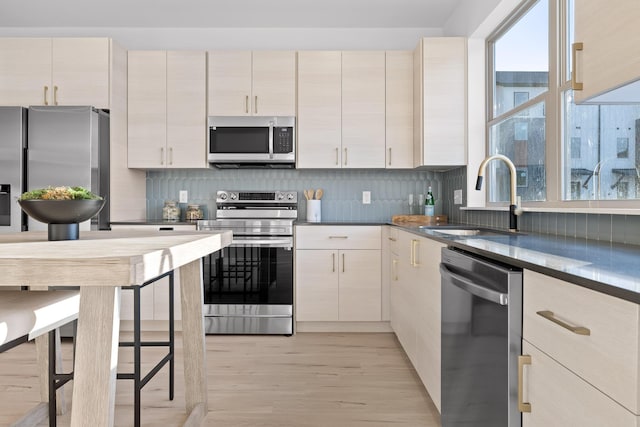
point(268, 243)
point(473, 288)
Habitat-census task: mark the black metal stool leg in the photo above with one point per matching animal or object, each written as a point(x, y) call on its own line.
point(52, 378)
point(136, 355)
point(172, 361)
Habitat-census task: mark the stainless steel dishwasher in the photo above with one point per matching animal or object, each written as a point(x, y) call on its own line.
point(481, 341)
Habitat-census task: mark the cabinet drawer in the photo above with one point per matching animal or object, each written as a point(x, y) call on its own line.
point(608, 356)
point(558, 397)
point(152, 227)
point(338, 237)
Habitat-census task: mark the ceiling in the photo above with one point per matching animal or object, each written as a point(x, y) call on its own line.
point(228, 13)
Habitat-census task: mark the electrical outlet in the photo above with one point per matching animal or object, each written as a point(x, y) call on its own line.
point(457, 197)
point(366, 197)
point(184, 196)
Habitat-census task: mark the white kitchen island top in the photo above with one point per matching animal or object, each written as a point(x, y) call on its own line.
point(100, 263)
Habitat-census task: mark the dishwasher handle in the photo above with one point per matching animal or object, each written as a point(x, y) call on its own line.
point(473, 288)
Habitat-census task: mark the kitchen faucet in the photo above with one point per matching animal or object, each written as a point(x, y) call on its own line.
point(514, 209)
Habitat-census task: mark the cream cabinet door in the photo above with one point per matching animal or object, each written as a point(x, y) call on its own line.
point(319, 110)
point(25, 71)
point(440, 71)
point(360, 285)
point(610, 55)
point(273, 89)
point(80, 71)
point(363, 109)
point(317, 284)
point(399, 110)
point(229, 83)
point(558, 397)
point(147, 109)
point(186, 117)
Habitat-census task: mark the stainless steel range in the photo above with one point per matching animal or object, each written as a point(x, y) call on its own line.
point(248, 286)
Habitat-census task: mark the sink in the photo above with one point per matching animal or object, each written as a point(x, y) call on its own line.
point(463, 231)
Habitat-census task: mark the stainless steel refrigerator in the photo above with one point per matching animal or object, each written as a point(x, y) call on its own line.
point(52, 146)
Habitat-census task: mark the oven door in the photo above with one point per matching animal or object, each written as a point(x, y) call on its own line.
point(248, 287)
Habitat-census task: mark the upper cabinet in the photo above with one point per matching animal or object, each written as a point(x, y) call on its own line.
point(246, 83)
point(606, 52)
point(167, 109)
point(341, 109)
point(399, 109)
point(54, 71)
point(440, 105)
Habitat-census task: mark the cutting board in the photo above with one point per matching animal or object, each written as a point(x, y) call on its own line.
point(419, 219)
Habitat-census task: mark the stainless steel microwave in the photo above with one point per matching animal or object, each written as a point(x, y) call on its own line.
point(252, 141)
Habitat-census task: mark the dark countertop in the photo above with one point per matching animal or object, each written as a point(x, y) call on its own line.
point(610, 268)
point(303, 222)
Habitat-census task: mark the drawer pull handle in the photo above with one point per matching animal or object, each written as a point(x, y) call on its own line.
point(333, 262)
point(524, 359)
point(575, 47)
point(338, 237)
point(392, 239)
point(580, 330)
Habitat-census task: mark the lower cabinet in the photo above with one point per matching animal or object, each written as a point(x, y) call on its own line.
point(580, 356)
point(154, 298)
point(415, 305)
point(338, 276)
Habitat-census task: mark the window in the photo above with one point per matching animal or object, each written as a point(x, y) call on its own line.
point(576, 144)
point(520, 87)
point(623, 148)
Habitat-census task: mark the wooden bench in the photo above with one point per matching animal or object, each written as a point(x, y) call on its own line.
point(26, 315)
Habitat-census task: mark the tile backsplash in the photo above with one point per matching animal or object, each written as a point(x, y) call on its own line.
point(342, 199)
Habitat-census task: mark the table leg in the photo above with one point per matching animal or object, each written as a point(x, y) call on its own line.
point(94, 384)
point(195, 374)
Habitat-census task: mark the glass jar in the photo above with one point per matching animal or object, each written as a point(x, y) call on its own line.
point(170, 211)
point(193, 213)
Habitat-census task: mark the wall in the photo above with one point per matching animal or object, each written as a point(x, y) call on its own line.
point(342, 200)
point(603, 227)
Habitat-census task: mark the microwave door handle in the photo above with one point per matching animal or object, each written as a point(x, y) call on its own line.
point(271, 139)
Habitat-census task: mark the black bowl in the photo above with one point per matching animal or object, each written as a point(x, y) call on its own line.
point(63, 216)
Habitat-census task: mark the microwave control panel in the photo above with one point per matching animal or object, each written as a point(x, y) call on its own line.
point(282, 140)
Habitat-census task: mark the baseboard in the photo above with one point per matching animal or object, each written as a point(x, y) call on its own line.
point(343, 327)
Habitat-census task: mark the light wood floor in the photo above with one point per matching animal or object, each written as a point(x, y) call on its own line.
point(307, 380)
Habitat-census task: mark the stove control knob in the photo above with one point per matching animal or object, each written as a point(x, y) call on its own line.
point(222, 196)
point(290, 196)
point(280, 196)
point(233, 196)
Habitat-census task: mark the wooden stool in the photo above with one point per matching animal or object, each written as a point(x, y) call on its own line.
point(25, 315)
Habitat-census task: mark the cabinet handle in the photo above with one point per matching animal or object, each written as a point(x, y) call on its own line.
point(575, 47)
point(162, 155)
point(46, 89)
point(55, 95)
point(170, 155)
point(255, 103)
point(394, 265)
point(392, 239)
point(524, 359)
point(338, 237)
point(579, 330)
point(345, 156)
point(343, 262)
point(414, 245)
point(246, 104)
point(389, 156)
point(336, 156)
point(333, 262)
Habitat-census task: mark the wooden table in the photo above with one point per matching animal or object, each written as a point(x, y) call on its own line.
point(100, 263)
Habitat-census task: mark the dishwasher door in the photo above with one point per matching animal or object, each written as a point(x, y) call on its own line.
point(481, 341)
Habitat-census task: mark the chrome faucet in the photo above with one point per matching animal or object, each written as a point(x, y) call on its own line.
point(514, 209)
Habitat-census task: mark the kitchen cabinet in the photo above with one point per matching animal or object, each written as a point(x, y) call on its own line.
point(154, 299)
point(246, 83)
point(341, 109)
point(415, 306)
point(363, 109)
point(399, 109)
point(55, 71)
point(167, 109)
point(319, 109)
point(440, 70)
point(606, 33)
point(338, 274)
point(583, 350)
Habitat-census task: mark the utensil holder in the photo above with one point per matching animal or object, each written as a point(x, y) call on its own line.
point(314, 210)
